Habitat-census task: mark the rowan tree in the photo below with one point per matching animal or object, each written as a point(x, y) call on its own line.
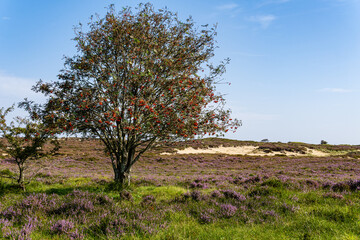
point(139, 77)
point(23, 140)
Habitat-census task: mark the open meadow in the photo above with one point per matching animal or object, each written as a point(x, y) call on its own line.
point(281, 191)
point(144, 84)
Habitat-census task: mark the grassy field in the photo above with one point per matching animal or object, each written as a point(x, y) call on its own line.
point(207, 196)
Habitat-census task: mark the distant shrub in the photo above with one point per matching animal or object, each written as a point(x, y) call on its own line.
point(353, 154)
point(280, 147)
point(323, 142)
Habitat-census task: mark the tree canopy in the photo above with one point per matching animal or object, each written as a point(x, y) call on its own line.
point(23, 139)
point(138, 77)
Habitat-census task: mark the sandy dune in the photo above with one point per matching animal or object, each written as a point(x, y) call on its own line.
point(245, 150)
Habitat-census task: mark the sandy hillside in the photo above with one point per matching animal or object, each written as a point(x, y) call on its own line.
point(246, 150)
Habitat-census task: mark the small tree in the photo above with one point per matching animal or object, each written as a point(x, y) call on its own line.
point(137, 79)
point(23, 140)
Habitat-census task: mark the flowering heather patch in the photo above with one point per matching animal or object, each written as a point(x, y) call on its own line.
point(267, 215)
point(79, 207)
point(240, 191)
point(196, 195)
point(86, 159)
point(38, 202)
point(5, 225)
point(75, 204)
point(349, 185)
point(198, 185)
point(333, 195)
point(126, 195)
point(11, 214)
point(22, 233)
point(233, 195)
point(227, 210)
point(288, 208)
point(205, 218)
point(62, 226)
point(216, 194)
point(148, 200)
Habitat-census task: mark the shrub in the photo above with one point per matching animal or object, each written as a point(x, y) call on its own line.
point(227, 210)
point(205, 218)
point(62, 226)
point(340, 187)
point(216, 194)
point(233, 195)
point(126, 195)
point(333, 195)
point(196, 195)
point(148, 200)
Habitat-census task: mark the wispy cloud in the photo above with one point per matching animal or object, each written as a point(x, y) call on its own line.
point(5, 18)
point(231, 9)
point(14, 88)
point(229, 6)
point(336, 90)
point(263, 20)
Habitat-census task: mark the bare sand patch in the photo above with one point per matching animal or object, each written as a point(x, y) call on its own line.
point(245, 150)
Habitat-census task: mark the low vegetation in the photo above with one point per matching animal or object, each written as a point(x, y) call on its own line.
point(183, 196)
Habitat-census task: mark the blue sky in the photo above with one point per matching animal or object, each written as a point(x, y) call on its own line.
point(294, 71)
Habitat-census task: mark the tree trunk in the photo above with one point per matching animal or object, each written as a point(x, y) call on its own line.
point(21, 176)
point(123, 178)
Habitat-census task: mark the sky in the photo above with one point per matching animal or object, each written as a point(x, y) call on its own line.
point(294, 70)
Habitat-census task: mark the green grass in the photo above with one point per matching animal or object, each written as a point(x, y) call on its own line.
point(316, 215)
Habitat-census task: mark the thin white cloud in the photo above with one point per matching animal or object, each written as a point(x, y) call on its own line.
point(5, 18)
point(336, 90)
point(14, 89)
point(229, 6)
point(263, 20)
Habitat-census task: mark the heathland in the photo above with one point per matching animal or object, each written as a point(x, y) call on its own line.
point(203, 189)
